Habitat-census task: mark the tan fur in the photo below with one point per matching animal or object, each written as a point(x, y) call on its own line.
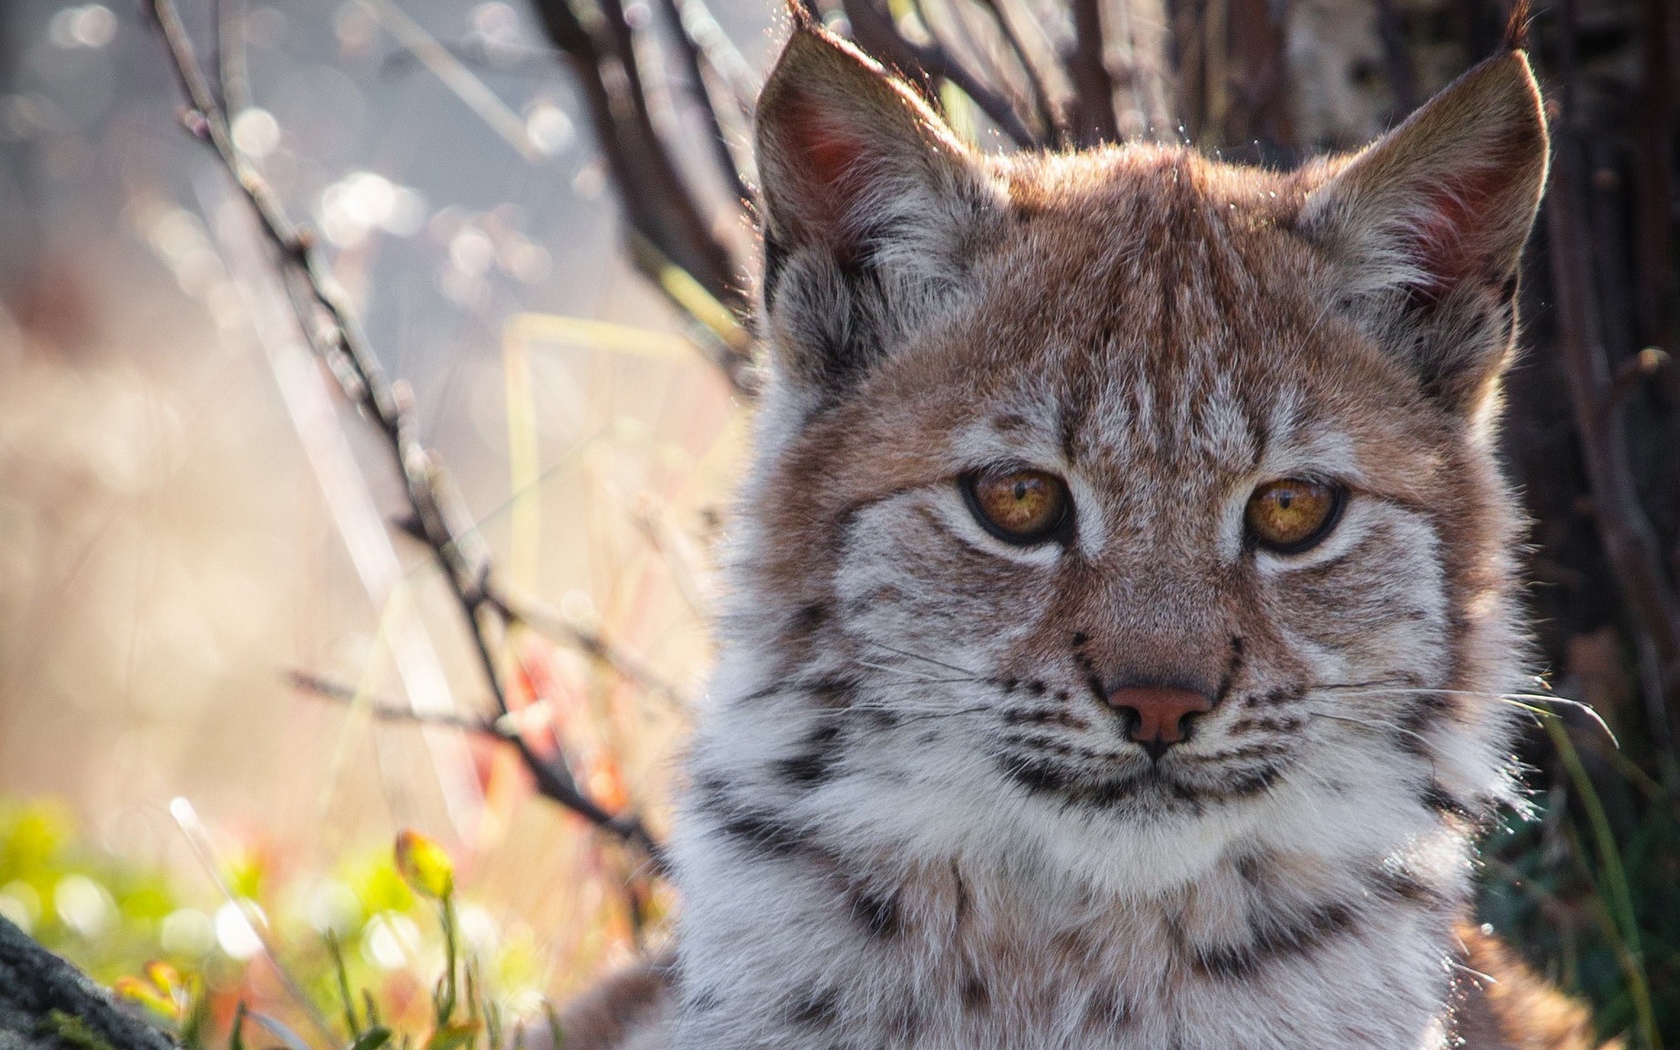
point(914, 819)
point(1504, 1006)
point(622, 1012)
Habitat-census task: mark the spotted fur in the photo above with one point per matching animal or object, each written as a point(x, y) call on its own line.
point(912, 819)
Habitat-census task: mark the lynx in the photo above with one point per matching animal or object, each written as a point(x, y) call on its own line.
point(1123, 595)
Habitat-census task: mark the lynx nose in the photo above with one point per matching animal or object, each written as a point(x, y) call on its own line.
point(1160, 713)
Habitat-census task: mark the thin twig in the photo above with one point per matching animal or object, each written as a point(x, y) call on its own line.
point(721, 55)
point(874, 31)
point(980, 58)
point(455, 76)
point(1043, 104)
point(330, 326)
point(387, 710)
point(658, 205)
point(553, 779)
point(553, 625)
point(230, 55)
point(473, 53)
point(693, 61)
point(713, 329)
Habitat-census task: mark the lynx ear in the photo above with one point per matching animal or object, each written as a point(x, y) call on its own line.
point(869, 203)
point(1426, 226)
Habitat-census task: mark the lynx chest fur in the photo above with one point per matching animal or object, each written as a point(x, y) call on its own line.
point(1122, 596)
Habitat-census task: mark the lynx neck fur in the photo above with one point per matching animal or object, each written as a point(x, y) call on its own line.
point(1122, 597)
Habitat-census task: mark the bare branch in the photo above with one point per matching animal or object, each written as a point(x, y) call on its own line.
point(555, 627)
point(1630, 539)
point(713, 328)
point(387, 710)
point(230, 55)
point(330, 326)
point(551, 624)
point(874, 31)
point(554, 781)
point(1049, 114)
point(657, 204)
point(693, 59)
point(721, 55)
point(455, 76)
point(505, 59)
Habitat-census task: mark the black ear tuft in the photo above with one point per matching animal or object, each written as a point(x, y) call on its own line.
point(1516, 27)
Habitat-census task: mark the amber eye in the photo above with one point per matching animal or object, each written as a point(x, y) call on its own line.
point(1292, 515)
point(1018, 506)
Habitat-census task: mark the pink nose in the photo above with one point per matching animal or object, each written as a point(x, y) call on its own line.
point(1160, 713)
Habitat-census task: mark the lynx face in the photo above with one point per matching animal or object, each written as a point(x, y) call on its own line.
point(1159, 347)
point(1136, 354)
point(1122, 592)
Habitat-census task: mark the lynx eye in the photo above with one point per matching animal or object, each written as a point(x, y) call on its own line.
point(1292, 515)
point(1018, 506)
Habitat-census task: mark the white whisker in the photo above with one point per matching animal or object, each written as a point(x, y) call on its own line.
point(918, 656)
point(1373, 723)
point(916, 675)
point(1515, 699)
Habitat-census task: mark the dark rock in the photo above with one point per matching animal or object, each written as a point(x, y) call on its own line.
point(48, 1004)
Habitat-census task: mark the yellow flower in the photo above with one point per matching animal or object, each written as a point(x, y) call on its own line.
point(425, 866)
point(166, 979)
point(158, 996)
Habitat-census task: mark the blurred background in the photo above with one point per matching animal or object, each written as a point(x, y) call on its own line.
point(188, 511)
point(230, 670)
